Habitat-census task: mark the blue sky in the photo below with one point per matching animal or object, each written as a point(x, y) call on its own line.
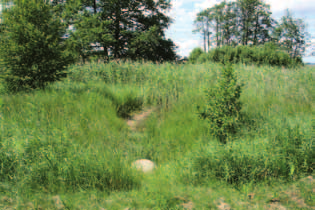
point(184, 12)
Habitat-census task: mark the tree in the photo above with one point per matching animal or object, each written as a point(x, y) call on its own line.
point(290, 34)
point(194, 55)
point(118, 25)
point(150, 46)
point(202, 26)
point(32, 50)
point(243, 21)
point(262, 24)
point(223, 110)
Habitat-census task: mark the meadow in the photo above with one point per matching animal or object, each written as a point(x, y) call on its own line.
point(70, 143)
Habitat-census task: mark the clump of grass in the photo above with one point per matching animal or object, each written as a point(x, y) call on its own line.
point(8, 162)
point(115, 73)
point(79, 169)
point(128, 105)
point(287, 157)
point(61, 165)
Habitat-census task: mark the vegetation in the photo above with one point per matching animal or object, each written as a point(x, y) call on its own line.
point(267, 54)
point(224, 107)
point(60, 140)
point(31, 50)
point(126, 30)
point(194, 55)
point(249, 22)
point(67, 135)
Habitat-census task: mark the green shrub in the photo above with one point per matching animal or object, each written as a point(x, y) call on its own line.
point(32, 51)
point(267, 54)
point(203, 58)
point(223, 108)
point(194, 55)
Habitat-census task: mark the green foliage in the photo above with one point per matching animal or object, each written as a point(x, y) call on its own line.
point(31, 48)
point(127, 105)
point(56, 167)
point(149, 46)
point(8, 162)
point(194, 55)
point(267, 54)
point(224, 106)
point(250, 22)
point(290, 35)
point(243, 21)
point(68, 140)
point(115, 73)
point(121, 33)
point(287, 156)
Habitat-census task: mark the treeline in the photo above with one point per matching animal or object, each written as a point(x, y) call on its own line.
point(249, 22)
point(34, 52)
point(267, 54)
point(125, 29)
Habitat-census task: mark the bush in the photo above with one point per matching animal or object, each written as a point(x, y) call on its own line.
point(194, 55)
point(267, 54)
point(224, 106)
point(32, 51)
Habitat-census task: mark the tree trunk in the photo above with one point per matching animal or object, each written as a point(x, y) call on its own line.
point(208, 34)
point(94, 2)
point(204, 40)
point(217, 32)
point(117, 29)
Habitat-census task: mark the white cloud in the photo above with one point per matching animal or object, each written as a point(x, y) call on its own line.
point(301, 5)
point(186, 46)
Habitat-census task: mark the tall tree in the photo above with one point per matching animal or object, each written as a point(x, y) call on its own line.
point(202, 26)
point(290, 34)
point(32, 50)
point(243, 21)
point(247, 14)
point(119, 23)
point(229, 26)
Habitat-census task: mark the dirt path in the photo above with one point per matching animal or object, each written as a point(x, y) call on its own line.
point(138, 118)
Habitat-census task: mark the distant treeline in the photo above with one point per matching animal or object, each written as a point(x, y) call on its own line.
point(267, 54)
point(250, 22)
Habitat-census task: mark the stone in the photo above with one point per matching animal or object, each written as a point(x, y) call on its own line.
point(58, 202)
point(144, 165)
point(189, 206)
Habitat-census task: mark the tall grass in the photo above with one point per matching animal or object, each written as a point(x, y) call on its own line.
point(73, 136)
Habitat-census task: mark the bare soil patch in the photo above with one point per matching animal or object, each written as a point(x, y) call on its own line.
point(138, 118)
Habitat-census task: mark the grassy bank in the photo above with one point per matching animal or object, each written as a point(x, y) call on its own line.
point(72, 140)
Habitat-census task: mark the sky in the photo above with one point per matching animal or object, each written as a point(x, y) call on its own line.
point(184, 13)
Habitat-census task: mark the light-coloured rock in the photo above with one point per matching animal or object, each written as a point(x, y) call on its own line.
point(58, 202)
point(144, 165)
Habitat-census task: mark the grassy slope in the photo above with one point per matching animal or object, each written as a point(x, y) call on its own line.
point(72, 130)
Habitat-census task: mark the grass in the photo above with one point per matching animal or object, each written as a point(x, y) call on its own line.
point(72, 140)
